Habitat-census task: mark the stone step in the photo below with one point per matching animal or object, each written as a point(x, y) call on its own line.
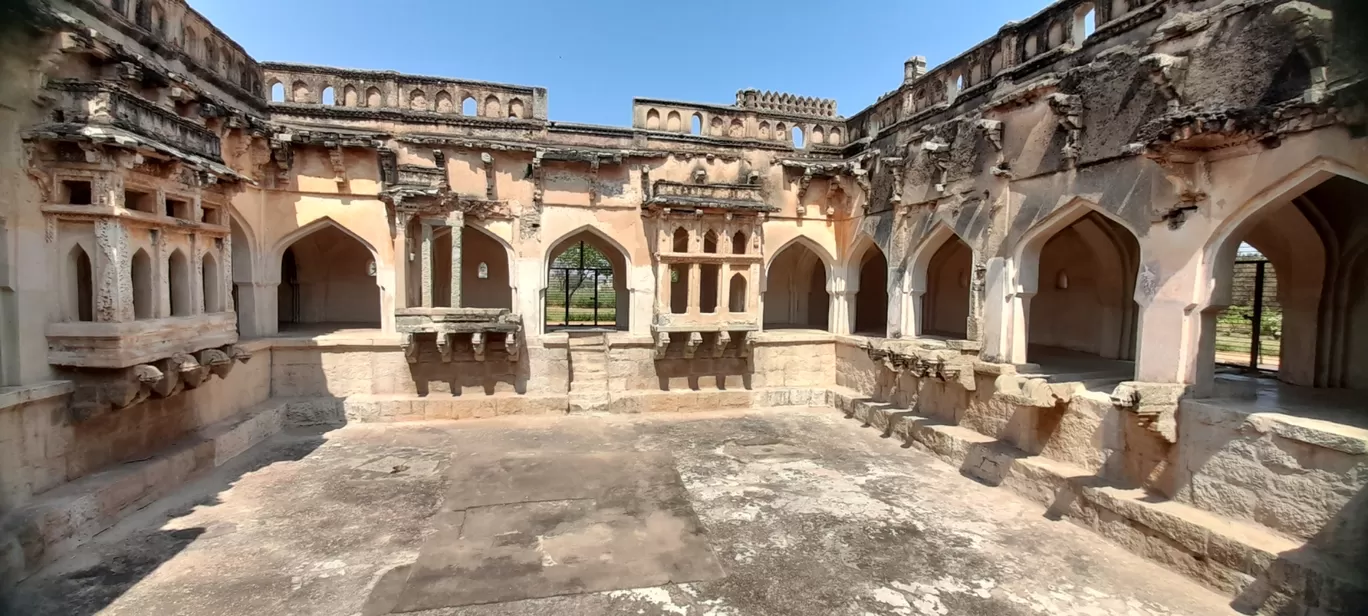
point(588, 341)
point(1261, 566)
point(595, 402)
point(61, 520)
point(589, 385)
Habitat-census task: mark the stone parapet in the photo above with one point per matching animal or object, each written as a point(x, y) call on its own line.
point(362, 93)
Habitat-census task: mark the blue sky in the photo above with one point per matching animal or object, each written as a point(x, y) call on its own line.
point(595, 56)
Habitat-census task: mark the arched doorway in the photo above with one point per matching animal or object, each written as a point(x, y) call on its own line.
point(871, 299)
point(327, 282)
point(1311, 327)
point(1084, 303)
point(796, 290)
point(586, 285)
point(945, 304)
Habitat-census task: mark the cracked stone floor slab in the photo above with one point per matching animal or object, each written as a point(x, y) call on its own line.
point(793, 512)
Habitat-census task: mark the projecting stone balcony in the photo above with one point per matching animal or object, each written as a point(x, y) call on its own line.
point(704, 337)
point(472, 326)
point(104, 112)
point(113, 345)
point(732, 197)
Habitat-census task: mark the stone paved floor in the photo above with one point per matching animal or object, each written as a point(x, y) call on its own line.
point(776, 512)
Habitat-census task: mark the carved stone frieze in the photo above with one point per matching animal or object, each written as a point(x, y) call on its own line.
point(114, 293)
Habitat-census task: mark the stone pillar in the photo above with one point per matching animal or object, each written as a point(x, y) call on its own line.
point(911, 302)
point(695, 288)
point(401, 259)
point(840, 315)
point(663, 289)
point(1169, 334)
point(427, 265)
point(723, 297)
point(257, 308)
point(113, 288)
point(456, 222)
point(997, 310)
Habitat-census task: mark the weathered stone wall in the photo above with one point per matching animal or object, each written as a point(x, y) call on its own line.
point(48, 444)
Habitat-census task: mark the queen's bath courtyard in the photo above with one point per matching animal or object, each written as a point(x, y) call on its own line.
point(1073, 322)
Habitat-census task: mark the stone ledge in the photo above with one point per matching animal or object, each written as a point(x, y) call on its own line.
point(780, 337)
point(647, 401)
point(1316, 432)
point(372, 408)
point(11, 397)
point(1230, 556)
point(64, 518)
point(336, 340)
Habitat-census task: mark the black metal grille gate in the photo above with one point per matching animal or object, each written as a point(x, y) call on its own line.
point(579, 289)
point(1249, 332)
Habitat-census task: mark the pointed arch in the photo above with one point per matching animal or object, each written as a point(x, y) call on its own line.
point(916, 277)
point(620, 264)
point(278, 248)
point(710, 241)
point(561, 243)
point(736, 302)
point(245, 248)
point(178, 284)
point(1027, 253)
point(866, 279)
point(144, 296)
point(1106, 304)
point(80, 275)
point(329, 271)
point(212, 283)
point(496, 288)
point(828, 261)
point(1316, 281)
point(797, 286)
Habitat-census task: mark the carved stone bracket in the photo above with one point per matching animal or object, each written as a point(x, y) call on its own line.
point(445, 342)
point(409, 344)
point(1155, 405)
point(1068, 108)
point(992, 131)
point(154, 380)
point(593, 181)
point(662, 344)
point(339, 165)
point(283, 156)
point(803, 183)
point(719, 344)
point(477, 344)
point(191, 372)
point(1167, 72)
point(691, 345)
point(511, 346)
point(939, 153)
point(239, 354)
point(895, 169)
point(1190, 181)
point(218, 362)
point(488, 160)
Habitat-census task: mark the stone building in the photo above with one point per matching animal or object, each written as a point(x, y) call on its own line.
point(1017, 259)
